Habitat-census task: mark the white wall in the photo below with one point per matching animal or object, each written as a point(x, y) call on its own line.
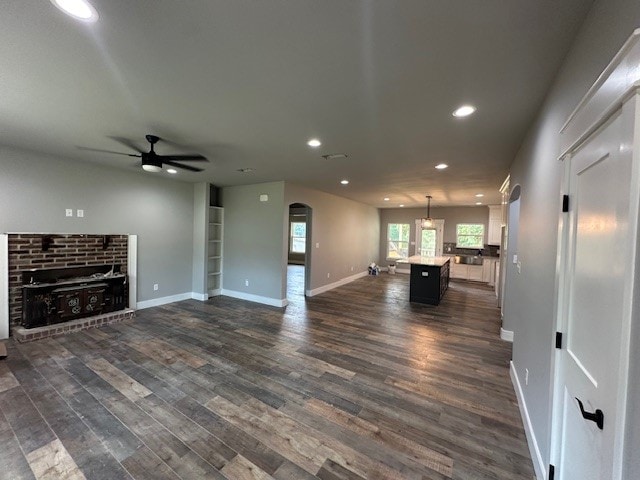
point(538, 171)
point(253, 239)
point(36, 189)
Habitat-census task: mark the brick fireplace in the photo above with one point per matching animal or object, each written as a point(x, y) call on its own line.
point(28, 251)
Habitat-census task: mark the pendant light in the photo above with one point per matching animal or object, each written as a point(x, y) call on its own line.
point(428, 222)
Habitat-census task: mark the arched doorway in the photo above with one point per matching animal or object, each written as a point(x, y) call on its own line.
point(298, 251)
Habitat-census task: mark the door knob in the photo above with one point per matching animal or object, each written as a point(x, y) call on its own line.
point(597, 416)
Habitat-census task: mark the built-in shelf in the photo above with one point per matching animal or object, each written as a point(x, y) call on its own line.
point(215, 227)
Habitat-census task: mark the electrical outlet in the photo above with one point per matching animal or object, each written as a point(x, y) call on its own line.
point(246, 283)
point(155, 287)
point(526, 376)
point(80, 213)
point(317, 244)
point(328, 274)
point(352, 269)
point(68, 212)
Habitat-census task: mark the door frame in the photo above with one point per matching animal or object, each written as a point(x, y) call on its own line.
point(439, 228)
point(606, 97)
point(308, 248)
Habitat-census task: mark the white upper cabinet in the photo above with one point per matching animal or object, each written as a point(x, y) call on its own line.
point(495, 225)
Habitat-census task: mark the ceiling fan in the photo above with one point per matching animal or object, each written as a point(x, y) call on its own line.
point(151, 161)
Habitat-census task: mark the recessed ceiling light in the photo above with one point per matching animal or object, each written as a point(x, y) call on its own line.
point(172, 171)
point(246, 170)
point(314, 142)
point(441, 166)
point(464, 111)
point(344, 182)
point(478, 203)
point(479, 195)
point(386, 199)
point(402, 205)
point(78, 9)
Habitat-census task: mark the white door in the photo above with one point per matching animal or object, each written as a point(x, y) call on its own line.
point(429, 241)
point(595, 305)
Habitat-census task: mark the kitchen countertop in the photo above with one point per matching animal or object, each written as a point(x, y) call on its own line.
point(431, 261)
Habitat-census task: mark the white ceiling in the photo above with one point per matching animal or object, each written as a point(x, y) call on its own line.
point(247, 83)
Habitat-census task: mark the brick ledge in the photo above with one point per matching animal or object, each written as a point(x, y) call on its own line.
point(22, 334)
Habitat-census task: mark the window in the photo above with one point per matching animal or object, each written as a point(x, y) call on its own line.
point(470, 235)
point(398, 240)
point(428, 242)
point(298, 240)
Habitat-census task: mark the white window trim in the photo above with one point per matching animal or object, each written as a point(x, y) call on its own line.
point(439, 228)
point(484, 233)
point(395, 259)
point(291, 237)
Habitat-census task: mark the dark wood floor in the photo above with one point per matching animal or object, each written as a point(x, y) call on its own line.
point(354, 383)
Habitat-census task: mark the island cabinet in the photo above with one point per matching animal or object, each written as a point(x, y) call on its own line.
point(429, 279)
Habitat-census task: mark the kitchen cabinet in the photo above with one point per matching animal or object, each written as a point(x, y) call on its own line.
point(466, 272)
point(489, 271)
point(459, 270)
point(486, 271)
point(494, 235)
point(477, 273)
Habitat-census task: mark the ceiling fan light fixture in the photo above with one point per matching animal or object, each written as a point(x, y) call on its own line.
point(148, 167)
point(172, 171)
point(78, 9)
point(314, 143)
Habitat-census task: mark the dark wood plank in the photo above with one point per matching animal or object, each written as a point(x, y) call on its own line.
point(354, 383)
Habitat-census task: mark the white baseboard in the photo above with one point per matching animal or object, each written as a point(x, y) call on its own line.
point(534, 450)
point(274, 302)
point(506, 335)
point(156, 302)
point(339, 283)
point(203, 297)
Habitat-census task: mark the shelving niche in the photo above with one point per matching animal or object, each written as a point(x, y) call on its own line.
point(215, 226)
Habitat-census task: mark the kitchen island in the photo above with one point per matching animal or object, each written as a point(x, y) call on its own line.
point(429, 278)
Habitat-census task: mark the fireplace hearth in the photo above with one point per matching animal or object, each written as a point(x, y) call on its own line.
point(55, 295)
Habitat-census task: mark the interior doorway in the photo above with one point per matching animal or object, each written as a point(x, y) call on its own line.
point(509, 263)
point(298, 251)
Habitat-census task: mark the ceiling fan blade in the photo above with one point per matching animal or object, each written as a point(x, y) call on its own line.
point(185, 167)
point(190, 158)
point(127, 143)
point(108, 151)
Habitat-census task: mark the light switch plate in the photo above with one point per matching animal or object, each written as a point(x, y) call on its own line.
point(69, 212)
point(80, 213)
point(264, 198)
